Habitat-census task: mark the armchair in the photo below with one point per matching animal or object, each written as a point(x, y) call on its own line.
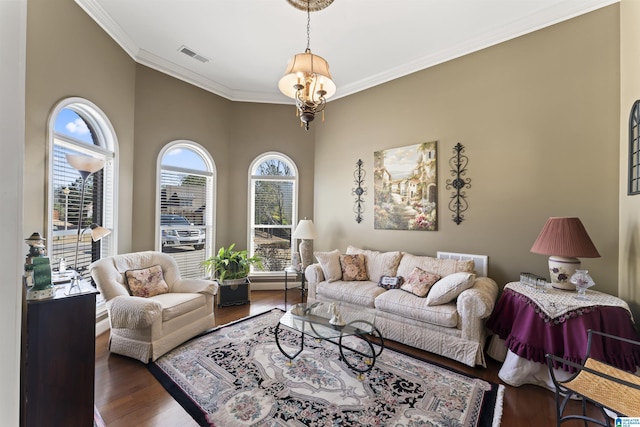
point(607, 387)
point(145, 328)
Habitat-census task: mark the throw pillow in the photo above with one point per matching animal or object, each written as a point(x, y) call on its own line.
point(378, 263)
point(146, 282)
point(390, 282)
point(448, 288)
point(419, 282)
point(330, 265)
point(353, 268)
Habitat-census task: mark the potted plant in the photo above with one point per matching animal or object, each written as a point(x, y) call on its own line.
point(229, 265)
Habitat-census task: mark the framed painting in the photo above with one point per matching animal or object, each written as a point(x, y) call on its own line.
point(405, 184)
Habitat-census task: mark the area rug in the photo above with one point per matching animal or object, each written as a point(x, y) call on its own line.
point(237, 376)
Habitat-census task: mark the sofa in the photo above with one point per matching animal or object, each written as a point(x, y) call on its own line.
point(151, 308)
point(435, 304)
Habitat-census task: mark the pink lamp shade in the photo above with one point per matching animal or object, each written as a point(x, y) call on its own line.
point(564, 239)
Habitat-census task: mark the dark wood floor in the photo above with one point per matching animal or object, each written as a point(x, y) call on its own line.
point(127, 394)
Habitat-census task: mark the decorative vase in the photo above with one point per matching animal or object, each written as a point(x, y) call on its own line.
point(582, 281)
point(336, 318)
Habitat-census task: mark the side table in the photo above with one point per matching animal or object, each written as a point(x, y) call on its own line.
point(531, 324)
point(59, 359)
point(297, 276)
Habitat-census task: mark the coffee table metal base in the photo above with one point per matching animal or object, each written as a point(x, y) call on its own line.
point(369, 356)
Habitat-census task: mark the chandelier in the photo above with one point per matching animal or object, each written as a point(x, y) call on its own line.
point(307, 79)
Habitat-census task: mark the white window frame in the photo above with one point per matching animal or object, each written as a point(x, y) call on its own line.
point(270, 155)
point(107, 149)
point(210, 218)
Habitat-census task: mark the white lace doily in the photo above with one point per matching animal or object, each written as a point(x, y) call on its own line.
point(556, 302)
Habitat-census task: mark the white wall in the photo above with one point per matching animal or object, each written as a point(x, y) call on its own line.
point(12, 90)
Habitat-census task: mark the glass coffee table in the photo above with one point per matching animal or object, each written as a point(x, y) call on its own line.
point(351, 330)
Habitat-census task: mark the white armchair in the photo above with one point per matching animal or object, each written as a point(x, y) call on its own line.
point(145, 328)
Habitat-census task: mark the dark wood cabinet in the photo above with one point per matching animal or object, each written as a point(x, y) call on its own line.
point(59, 361)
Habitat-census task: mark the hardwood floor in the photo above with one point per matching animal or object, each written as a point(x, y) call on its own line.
point(127, 394)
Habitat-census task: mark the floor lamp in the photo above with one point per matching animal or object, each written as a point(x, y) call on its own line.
point(85, 166)
point(306, 232)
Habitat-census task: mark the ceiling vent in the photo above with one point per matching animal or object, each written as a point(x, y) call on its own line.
point(191, 53)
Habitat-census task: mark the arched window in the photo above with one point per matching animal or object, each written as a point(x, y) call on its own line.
point(186, 205)
point(273, 210)
point(77, 127)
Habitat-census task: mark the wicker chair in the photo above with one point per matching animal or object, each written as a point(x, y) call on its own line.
point(603, 385)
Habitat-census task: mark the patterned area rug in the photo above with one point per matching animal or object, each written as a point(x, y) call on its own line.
point(237, 376)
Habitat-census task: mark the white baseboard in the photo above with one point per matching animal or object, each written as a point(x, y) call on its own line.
point(102, 326)
point(268, 286)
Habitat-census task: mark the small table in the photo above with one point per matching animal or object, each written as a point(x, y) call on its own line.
point(534, 323)
point(314, 320)
point(297, 275)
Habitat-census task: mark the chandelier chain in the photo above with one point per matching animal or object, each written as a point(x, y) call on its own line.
point(308, 26)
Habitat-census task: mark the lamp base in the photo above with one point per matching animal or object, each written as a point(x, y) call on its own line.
point(561, 269)
point(306, 253)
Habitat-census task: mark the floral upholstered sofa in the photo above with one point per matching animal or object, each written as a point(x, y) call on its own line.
point(435, 304)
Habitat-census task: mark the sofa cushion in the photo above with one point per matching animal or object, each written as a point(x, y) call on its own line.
point(404, 304)
point(146, 282)
point(439, 266)
point(176, 304)
point(362, 293)
point(330, 265)
point(353, 267)
point(419, 282)
point(448, 288)
point(378, 263)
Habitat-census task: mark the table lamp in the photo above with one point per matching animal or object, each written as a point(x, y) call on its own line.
point(306, 232)
point(564, 239)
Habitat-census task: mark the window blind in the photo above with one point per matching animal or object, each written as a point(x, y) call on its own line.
point(185, 195)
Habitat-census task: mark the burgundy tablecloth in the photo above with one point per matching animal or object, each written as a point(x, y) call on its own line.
point(530, 334)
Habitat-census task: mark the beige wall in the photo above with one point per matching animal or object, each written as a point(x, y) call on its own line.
point(629, 248)
point(167, 110)
point(538, 117)
point(258, 129)
point(233, 133)
point(69, 55)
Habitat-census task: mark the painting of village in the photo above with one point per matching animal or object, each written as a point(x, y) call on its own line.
point(405, 195)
